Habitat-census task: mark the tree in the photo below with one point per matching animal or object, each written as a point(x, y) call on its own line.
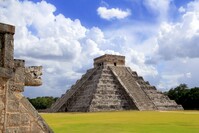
point(187, 97)
point(179, 93)
point(42, 102)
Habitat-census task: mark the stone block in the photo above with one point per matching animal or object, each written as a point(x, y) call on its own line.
point(35, 128)
point(13, 106)
point(19, 75)
point(42, 124)
point(6, 73)
point(1, 90)
point(17, 87)
point(10, 94)
point(24, 129)
point(5, 28)
point(9, 47)
point(25, 119)
point(19, 63)
point(2, 117)
point(22, 108)
point(1, 103)
point(1, 49)
point(13, 130)
point(1, 127)
point(13, 120)
point(30, 109)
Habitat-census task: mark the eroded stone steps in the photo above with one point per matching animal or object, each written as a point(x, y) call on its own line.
point(82, 98)
point(109, 93)
point(142, 100)
point(60, 102)
point(161, 101)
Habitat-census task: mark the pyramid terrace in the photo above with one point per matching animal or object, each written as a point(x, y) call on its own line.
point(111, 86)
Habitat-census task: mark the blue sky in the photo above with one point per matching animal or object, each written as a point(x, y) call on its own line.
point(85, 10)
point(158, 37)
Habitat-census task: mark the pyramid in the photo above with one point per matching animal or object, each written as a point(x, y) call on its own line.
point(111, 86)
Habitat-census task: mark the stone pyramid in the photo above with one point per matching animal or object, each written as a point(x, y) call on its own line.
point(110, 86)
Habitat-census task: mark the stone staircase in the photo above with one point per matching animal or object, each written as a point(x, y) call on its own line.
point(161, 101)
point(80, 101)
point(110, 95)
point(69, 93)
point(142, 101)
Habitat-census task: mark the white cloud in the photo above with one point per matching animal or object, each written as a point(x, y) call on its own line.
point(176, 71)
point(113, 13)
point(176, 53)
point(158, 7)
point(180, 39)
point(136, 60)
point(181, 9)
point(169, 80)
point(188, 75)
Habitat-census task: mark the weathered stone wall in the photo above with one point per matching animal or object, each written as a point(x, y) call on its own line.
point(6, 69)
point(2, 103)
point(17, 114)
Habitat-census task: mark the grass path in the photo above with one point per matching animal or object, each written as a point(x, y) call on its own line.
point(125, 122)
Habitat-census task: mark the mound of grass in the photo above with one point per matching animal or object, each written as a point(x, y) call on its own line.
point(124, 122)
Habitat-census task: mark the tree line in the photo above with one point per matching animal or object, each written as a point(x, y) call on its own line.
point(187, 97)
point(41, 103)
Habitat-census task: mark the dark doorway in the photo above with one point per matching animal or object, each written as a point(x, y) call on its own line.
point(115, 64)
point(66, 110)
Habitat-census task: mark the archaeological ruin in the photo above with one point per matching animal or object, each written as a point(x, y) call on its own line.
point(111, 86)
point(17, 114)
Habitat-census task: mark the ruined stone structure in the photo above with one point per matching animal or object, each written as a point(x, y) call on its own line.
point(17, 115)
point(110, 85)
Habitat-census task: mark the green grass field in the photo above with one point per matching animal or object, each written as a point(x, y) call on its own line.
point(124, 122)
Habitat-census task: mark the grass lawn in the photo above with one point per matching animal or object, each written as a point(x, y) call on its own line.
point(124, 122)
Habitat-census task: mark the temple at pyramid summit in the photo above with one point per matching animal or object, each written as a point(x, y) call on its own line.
point(112, 86)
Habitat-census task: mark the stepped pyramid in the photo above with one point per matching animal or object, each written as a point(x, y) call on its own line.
point(110, 86)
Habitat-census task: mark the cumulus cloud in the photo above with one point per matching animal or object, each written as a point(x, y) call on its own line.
point(113, 13)
point(176, 53)
point(136, 60)
point(40, 33)
point(180, 39)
